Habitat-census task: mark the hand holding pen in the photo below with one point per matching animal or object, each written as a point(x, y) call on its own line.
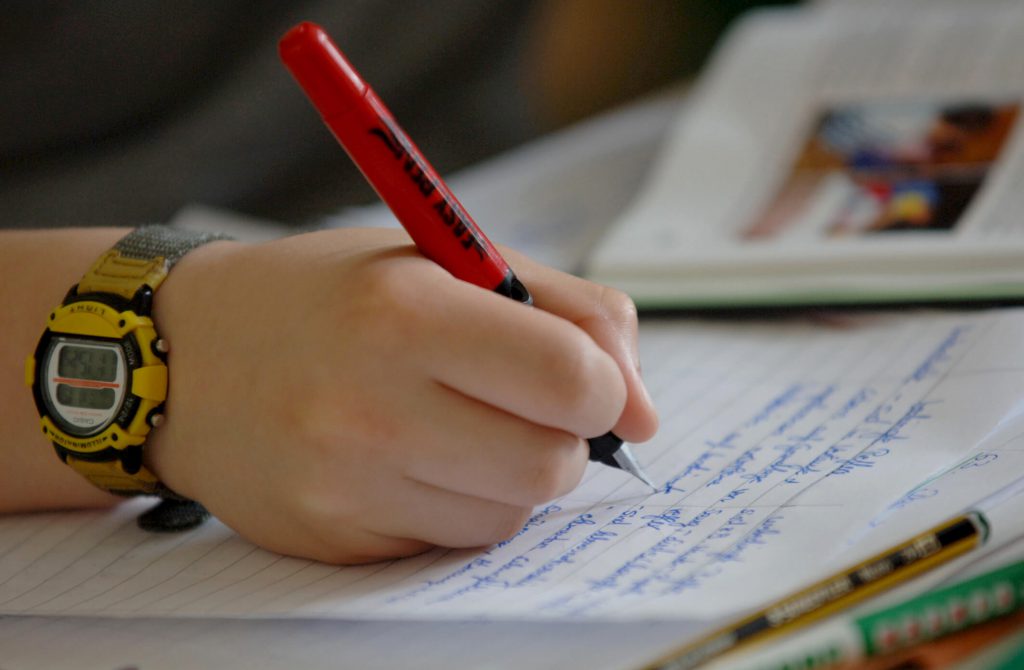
point(405, 181)
point(360, 404)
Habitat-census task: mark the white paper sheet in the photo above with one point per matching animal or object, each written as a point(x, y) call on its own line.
point(779, 442)
point(989, 479)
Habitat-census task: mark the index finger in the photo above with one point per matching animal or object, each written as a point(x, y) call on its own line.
point(609, 317)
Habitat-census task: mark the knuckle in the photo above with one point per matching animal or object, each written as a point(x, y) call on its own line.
point(557, 469)
point(333, 427)
point(383, 282)
point(579, 375)
point(571, 370)
point(319, 507)
point(388, 307)
point(325, 500)
point(617, 306)
point(356, 422)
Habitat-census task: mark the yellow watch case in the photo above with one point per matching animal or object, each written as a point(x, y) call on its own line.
point(99, 379)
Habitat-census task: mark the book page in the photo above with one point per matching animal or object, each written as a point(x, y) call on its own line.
point(834, 150)
point(779, 442)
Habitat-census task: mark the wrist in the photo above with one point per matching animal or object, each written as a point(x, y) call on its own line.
point(186, 320)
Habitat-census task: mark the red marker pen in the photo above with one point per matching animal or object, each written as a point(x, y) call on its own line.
point(402, 177)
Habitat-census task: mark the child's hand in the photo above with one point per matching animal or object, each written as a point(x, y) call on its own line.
point(337, 396)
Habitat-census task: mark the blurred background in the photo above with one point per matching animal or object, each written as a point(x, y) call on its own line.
point(120, 112)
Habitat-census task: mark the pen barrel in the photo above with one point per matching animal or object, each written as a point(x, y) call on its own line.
point(437, 222)
point(395, 168)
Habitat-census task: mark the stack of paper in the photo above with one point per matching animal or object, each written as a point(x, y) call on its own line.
point(786, 450)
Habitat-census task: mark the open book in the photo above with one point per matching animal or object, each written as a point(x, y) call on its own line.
point(859, 153)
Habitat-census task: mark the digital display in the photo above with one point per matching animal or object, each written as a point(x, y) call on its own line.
point(74, 396)
point(93, 363)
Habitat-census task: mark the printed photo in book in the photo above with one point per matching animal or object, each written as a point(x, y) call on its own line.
point(889, 166)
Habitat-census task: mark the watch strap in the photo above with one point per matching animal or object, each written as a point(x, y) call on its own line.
point(111, 476)
point(142, 257)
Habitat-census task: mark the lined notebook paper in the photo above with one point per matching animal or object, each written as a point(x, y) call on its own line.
point(782, 446)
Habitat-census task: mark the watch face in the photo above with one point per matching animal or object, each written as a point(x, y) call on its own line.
point(84, 384)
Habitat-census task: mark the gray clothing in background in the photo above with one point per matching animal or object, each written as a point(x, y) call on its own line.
point(120, 112)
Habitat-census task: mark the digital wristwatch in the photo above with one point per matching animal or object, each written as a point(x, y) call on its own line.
point(99, 372)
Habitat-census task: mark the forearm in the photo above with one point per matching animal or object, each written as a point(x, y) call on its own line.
point(36, 270)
